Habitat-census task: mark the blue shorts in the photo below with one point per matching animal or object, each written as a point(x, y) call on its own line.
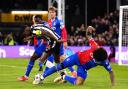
point(51, 58)
point(74, 60)
point(81, 72)
point(40, 48)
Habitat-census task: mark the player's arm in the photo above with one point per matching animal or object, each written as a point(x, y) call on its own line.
point(92, 42)
point(112, 77)
point(63, 33)
point(107, 66)
point(64, 36)
point(33, 20)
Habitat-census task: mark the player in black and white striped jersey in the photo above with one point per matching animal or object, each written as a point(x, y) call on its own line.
point(53, 39)
point(45, 31)
point(40, 31)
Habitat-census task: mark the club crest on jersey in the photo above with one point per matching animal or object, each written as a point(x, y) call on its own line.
point(54, 23)
point(53, 28)
point(68, 59)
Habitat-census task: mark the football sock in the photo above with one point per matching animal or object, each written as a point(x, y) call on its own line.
point(71, 69)
point(40, 64)
point(29, 68)
point(52, 70)
point(49, 72)
point(70, 79)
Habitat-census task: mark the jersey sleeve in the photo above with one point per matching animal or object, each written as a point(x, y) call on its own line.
point(107, 66)
point(35, 41)
point(64, 34)
point(50, 23)
point(93, 44)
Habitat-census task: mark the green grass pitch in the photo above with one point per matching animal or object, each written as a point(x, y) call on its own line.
point(98, 78)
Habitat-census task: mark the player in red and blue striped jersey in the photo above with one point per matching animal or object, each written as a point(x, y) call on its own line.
point(58, 26)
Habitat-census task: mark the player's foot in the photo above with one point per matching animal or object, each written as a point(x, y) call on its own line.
point(23, 78)
point(62, 81)
point(40, 69)
point(38, 79)
point(74, 74)
point(58, 79)
point(62, 77)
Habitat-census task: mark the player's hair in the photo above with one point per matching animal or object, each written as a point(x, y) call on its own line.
point(100, 54)
point(52, 8)
point(38, 18)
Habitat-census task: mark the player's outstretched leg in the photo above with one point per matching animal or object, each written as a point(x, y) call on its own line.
point(29, 67)
point(40, 66)
point(73, 72)
point(81, 76)
point(49, 63)
point(68, 62)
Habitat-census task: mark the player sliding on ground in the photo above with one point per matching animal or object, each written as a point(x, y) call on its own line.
point(85, 60)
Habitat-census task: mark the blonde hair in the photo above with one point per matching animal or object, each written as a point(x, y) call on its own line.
point(52, 8)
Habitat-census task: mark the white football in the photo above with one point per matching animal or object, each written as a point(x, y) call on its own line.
point(37, 79)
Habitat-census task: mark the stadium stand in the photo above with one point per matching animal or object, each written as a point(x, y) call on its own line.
point(106, 32)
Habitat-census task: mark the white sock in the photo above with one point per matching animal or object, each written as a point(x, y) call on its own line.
point(63, 76)
point(42, 77)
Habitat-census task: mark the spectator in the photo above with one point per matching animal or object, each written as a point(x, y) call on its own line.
point(106, 32)
point(111, 56)
point(1, 39)
point(10, 40)
point(26, 36)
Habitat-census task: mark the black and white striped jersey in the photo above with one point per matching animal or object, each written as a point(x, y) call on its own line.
point(46, 33)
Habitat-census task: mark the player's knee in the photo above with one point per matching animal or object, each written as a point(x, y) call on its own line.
point(62, 57)
point(79, 82)
point(62, 65)
point(34, 57)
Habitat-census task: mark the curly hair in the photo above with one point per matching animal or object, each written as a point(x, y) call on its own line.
point(100, 54)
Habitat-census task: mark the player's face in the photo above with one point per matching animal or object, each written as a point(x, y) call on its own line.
point(52, 14)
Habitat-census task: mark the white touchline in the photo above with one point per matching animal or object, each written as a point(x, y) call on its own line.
point(16, 67)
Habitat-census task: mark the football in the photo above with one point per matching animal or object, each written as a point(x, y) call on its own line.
point(37, 79)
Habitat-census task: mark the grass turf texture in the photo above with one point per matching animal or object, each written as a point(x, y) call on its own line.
point(98, 78)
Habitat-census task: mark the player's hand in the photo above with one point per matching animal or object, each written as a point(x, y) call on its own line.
point(60, 41)
point(65, 44)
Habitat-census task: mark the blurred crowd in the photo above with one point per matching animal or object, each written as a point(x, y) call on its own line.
point(7, 6)
point(16, 37)
point(105, 33)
